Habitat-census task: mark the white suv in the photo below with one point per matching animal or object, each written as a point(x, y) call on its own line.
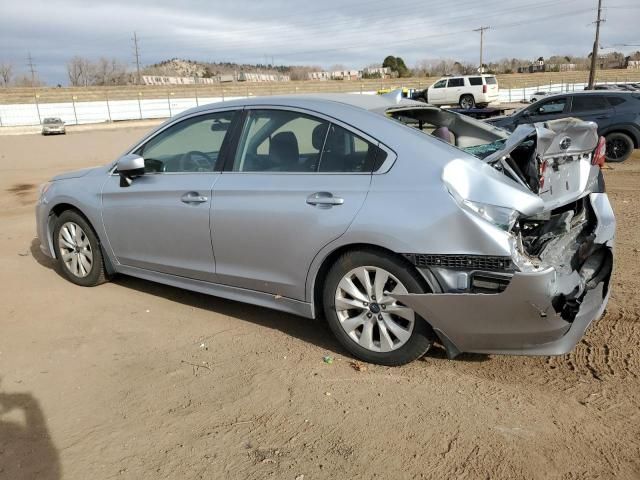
point(466, 91)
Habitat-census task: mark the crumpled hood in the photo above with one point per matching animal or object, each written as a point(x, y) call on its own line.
point(75, 174)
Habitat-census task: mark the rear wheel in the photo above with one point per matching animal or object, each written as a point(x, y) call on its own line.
point(364, 316)
point(78, 250)
point(467, 102)
point(619, 147)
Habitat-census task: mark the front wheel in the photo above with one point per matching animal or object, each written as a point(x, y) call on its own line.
point(364, 316)
point(78, 250)
point(467, 102)
point(619, 147)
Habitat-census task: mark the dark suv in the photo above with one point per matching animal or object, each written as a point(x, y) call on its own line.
point(616, 113)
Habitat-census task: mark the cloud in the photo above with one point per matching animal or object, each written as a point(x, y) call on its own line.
point(355, 33)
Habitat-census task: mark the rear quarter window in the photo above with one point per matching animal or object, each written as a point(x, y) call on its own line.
point(490, 80)
point(614, 101)
point(475, 80)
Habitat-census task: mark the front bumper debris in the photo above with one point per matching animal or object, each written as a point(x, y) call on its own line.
point(541, 312)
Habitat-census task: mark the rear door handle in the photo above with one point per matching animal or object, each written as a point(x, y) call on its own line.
point(193, 197)
point(602, 117)
point(324, 200)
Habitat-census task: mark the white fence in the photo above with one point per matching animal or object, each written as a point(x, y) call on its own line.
point(75, 112)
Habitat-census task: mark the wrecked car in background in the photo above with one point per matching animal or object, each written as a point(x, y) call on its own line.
point(399, 222)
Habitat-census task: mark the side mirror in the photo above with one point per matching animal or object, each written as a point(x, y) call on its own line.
point(129, 167)
point(526, 113)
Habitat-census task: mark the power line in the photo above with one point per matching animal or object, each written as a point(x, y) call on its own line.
point(594, 52)
point(137, 56)
point(404, 41)
point(286, 38)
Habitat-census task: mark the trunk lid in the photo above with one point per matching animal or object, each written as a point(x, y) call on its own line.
point(552, 160)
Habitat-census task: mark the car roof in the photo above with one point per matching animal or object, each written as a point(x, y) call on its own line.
point(372, 103)
point(600, 93)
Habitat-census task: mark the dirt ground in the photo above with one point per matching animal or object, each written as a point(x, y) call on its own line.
point(140, 381)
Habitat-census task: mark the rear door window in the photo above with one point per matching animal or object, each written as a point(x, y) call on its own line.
point(588, 103)
point(345, 152)
point(456, 82)
point(289, 141)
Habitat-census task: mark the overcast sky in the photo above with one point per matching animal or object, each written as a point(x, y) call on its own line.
point(350, 32)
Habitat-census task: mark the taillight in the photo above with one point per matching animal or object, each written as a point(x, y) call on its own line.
point(543, 167)
point(484, 89)
point(599, 153)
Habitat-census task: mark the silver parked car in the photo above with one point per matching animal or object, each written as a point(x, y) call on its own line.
point(53, 125)
point(399, 222)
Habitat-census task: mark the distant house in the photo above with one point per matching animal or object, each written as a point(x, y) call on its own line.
point(165, 80)
point(337, 75)
point(319, 76)
point(262, 77)
point(382, 72)
point(534, 67)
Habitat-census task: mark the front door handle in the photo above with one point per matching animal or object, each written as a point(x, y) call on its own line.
point(602, 117)
point(324, 200)
point(193, 197)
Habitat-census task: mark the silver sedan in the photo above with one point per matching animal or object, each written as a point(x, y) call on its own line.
point(402, 224)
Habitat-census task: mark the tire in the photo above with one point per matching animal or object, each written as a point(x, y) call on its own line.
point(619, 147)
point(79, 241)
point(414, 337)
point(467, 102)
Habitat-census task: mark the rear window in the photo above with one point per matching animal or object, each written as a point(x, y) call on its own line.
point(475, 80)
point(490, 80)
point(585, 103)
point(613, 101)
point(456, 82)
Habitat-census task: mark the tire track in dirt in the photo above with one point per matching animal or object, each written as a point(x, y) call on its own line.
point(609, 349)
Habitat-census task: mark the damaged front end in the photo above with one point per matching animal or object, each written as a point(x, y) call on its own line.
point(542, 297)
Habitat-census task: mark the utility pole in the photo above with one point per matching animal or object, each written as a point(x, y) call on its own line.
point(481, 30)
point(32, 69)
point(594, 52)
point(136, 52)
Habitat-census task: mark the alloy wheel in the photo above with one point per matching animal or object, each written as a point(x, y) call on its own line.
point(368, 314)
point(616, 148)
point(75, 249)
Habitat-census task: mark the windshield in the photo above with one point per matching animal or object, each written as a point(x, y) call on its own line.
point(52, 120)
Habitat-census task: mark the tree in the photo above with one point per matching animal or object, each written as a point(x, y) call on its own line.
point(6, 71)
point(78, 71)
point(397, 65)
point(390, 62)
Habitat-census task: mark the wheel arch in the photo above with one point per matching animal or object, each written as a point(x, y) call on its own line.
point(627, 131)
point(317, 280)
point(54, 214)
point(467, 95)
